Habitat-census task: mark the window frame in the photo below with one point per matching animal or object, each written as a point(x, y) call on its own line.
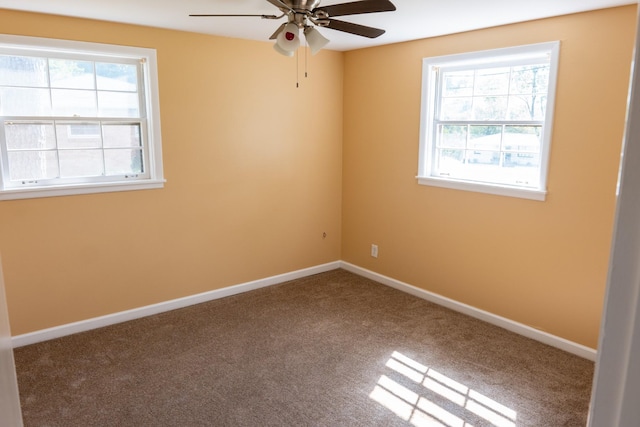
point(474, 60)
point(148, 119)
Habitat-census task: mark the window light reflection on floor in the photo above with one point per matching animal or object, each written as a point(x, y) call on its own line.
point(420, 411)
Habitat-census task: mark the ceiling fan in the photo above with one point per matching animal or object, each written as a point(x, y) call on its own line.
point(308, 14)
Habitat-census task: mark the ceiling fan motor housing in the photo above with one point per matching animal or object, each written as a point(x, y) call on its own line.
point(302, 5)
point(300, 10)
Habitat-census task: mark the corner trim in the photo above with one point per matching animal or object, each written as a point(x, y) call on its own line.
point(136, 313)
point(510, 325)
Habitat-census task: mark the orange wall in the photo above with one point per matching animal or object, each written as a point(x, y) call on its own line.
point(253, 169)
point(540, 263)
point(257, 170)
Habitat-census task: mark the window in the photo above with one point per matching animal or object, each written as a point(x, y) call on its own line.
point(487, 118)
point(77, 118)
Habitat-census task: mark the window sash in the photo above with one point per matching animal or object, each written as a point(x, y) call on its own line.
point(57, 148)
point(472, 153)
point(136, 75)
point(431, 146)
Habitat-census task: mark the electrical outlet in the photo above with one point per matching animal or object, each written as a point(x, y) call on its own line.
point(374, 251)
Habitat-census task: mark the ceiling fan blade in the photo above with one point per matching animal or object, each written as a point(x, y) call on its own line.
point(357, 7)
point(278, 31)
point(357, 29)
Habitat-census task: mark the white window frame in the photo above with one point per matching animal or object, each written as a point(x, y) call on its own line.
point(149, 120)
point(503, 56)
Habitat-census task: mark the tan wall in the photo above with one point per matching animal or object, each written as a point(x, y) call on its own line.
point(257, 171)
point(540, 263)
point(253, 168)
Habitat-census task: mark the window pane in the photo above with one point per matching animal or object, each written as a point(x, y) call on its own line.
point(527, 107)
point(118, 104)
point(492, 81)
point(452, 136)
point(456, 108)
point(486, 167)
point(510, 158)
point(449, 162)
point(70, 74)
point(117, 77)
point(79, 135)
point(530, 79)
point(484, 157)
point(522, 160)
point(84, 129)
point(485, 137)
point(32, 165)
point(457, 83)
point(23, 71)
point(24, 136)
point(25, 102)
point(490, 108)
point(122, 136)
point(524, 139)
point(79, 163)
point(80, 103)
point(520, 108)
point(123, 161)
point(521, 169)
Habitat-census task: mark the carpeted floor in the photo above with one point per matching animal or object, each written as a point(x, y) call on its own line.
point(333, 349)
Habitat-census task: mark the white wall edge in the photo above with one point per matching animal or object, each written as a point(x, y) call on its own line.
point(137, 313)
point(510, 325)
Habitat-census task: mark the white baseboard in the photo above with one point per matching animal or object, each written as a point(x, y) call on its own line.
point(136, 313)
point(510, 325)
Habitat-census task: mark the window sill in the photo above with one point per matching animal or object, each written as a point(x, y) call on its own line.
point(70, 190)
point(499, 190)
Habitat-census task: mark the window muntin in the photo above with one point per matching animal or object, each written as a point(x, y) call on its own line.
point(77, 116)
point(486, 120)
point(50, 151)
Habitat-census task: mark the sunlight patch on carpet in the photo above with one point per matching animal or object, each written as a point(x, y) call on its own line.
point(414, 406)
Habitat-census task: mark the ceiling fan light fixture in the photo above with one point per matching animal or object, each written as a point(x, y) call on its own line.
point(281, 51)
point(315, 40)
point(288, 40)
point(300, 13)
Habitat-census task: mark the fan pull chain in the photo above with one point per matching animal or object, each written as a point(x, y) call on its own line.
point(306, 64)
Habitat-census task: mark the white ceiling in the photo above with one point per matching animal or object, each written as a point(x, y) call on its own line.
point(413, 19)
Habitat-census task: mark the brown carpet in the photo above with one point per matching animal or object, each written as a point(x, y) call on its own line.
point(333, 349)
